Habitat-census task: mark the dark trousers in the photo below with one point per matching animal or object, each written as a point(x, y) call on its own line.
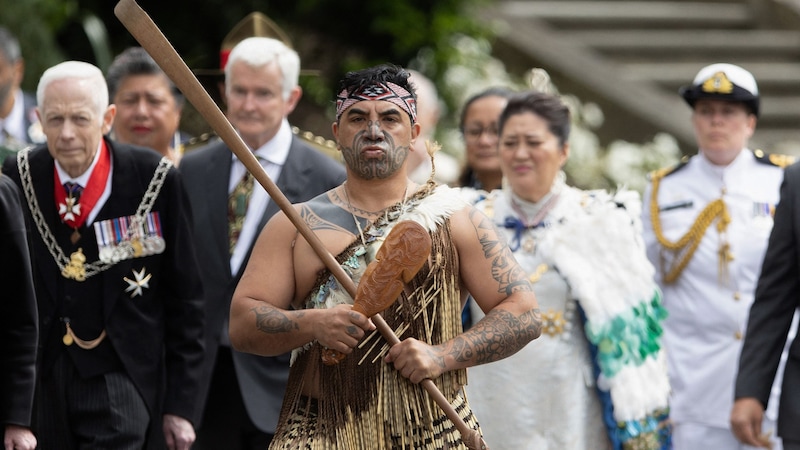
point(791, 445)
point(101, 412)
point(226, 423)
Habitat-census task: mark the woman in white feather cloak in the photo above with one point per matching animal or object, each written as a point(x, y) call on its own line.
point(596, 378)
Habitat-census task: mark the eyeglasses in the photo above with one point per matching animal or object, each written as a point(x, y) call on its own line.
point(475, 133)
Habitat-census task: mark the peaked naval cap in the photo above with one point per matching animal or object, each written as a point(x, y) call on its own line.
point(723, 82)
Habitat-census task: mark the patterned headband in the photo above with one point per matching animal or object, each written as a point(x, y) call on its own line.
point(388, 92)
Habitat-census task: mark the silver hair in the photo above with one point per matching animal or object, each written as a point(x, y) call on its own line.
point(260, 51)
point(78, 70)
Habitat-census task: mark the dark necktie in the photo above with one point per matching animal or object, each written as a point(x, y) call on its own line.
point(73, 190)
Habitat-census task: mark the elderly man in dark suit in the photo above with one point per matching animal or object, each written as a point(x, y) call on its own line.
point(244, 392)
point(19, 335)
point(117, 283)
point(770, 329)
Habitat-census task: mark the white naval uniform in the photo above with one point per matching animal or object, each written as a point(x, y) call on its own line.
point(707, 313)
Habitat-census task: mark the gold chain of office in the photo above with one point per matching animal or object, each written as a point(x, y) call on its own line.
point(70, 267)
point(685, 247)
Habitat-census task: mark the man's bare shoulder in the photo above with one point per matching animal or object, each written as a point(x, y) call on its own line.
point(315, 212)
point(323, 213)
point(470, 223)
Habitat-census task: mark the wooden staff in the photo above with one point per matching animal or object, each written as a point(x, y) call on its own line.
point(142, 27)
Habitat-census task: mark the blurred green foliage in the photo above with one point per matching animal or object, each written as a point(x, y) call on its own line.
point(331, 37)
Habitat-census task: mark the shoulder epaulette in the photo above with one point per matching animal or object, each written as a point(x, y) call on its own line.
point(198, 141)
point(666, 171)
point(326, 146)
point(774, 159)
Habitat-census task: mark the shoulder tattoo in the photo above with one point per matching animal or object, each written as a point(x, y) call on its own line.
point(315, 221)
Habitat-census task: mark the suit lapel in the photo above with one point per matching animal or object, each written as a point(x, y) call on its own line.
point(291, 181)
point(218, 176)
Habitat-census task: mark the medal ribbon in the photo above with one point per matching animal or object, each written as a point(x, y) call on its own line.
point(76, 217)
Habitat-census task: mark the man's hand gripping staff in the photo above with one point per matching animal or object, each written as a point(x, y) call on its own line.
point(401, 256)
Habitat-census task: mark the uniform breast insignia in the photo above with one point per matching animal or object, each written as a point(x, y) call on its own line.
point(75, 269)
point(129, 237)
point(763, 213)
point(141, 280)
point(680, 204)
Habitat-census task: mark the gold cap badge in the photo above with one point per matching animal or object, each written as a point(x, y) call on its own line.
point(718, 84)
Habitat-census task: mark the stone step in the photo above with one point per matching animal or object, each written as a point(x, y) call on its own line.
point(777, 140)
point(632, 56)
point(776, 74)
point(649, 44)
point(680, 14)
point(781, 109)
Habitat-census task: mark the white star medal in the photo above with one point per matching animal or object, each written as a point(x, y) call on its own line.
point(69, 210)
point(135, 286)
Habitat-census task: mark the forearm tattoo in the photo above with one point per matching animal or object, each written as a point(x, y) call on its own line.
point(505, 270)
point(272, 320)
point(498, 335)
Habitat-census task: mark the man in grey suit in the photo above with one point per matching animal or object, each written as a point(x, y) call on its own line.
point(17, 108)
point(770, 326)
point(244, 392)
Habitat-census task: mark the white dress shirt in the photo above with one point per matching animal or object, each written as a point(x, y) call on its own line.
point(272, 156)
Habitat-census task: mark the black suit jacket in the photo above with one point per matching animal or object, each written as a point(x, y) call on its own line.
point(158, 336)
point(777, 299)
point(18, 337)
point(206, 171)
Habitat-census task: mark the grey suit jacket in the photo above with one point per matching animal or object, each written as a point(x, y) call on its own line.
point(777, 299)
point(29, 103)
point(206, 171)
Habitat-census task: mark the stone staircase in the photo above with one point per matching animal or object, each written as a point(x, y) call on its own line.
point(630, 57)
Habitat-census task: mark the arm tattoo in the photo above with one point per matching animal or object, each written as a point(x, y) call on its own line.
point(505, 269)
point(498, 335)
point(271, 320)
